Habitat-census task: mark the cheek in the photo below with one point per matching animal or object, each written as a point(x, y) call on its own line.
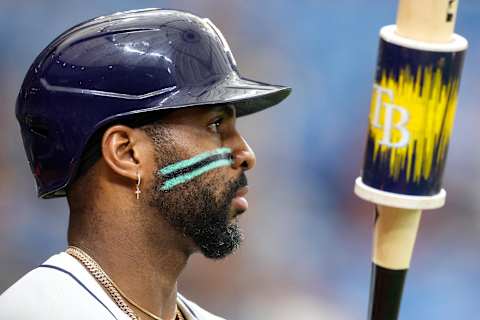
point(219, 182)
point(206, 166)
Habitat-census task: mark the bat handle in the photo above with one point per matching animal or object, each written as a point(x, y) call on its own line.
point(386, 291)
point(394, 237)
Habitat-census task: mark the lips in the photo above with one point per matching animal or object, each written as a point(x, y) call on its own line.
point(242, 191)
point(240, 203)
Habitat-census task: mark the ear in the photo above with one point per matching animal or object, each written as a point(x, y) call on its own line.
point(121, 150)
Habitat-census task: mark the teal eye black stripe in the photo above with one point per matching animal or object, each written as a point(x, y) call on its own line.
point(197, 165)
point(189, 162)
point(195, 173)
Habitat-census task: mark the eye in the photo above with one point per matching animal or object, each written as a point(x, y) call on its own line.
point(214, 126)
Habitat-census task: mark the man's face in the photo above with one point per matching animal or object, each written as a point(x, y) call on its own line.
point(203, 208)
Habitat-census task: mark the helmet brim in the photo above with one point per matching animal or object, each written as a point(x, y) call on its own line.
point(248, 96)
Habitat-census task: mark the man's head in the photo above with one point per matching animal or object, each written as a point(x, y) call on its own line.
point(84, 95)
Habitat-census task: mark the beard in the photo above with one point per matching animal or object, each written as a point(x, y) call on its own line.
point(201, 210)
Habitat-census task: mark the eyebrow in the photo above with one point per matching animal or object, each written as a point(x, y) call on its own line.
point(228, 109)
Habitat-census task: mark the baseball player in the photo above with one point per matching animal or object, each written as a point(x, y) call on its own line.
point(132, 116)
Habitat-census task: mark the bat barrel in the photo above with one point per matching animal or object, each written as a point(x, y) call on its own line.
point(430, 21)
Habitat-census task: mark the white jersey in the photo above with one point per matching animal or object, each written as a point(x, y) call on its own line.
point(61, 288)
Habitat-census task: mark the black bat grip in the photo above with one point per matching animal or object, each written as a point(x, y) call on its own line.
point(386, 291)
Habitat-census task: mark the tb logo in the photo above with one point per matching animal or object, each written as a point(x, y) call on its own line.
point(390, 110)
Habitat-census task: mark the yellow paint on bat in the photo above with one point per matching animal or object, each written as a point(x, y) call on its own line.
point(430, 106)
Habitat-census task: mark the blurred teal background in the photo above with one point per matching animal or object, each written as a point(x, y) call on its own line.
point(308, 246)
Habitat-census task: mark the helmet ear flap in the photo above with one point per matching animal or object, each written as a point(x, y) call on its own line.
point(37, 125)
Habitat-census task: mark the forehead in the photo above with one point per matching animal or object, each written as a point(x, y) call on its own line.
point(199, 112)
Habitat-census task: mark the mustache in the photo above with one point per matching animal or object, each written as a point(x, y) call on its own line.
point(241, 181)
point(238, 184)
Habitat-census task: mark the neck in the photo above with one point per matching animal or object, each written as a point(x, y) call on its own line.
point(143, 258)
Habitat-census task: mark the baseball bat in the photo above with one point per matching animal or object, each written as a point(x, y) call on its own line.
point(411, 121)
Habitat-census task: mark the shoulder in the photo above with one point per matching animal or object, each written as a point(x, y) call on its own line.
point(53, 288)
point(195, 311)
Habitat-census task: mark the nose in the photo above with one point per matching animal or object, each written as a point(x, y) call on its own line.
point(243, 156)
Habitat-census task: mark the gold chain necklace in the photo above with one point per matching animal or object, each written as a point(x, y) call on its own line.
point(112, 289)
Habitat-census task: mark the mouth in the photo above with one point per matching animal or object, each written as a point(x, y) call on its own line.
point(240, 203)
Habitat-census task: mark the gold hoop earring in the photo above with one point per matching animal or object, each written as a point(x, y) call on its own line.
point(138, 191)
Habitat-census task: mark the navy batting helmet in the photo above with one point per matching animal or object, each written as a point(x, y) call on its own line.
point(115, 67)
